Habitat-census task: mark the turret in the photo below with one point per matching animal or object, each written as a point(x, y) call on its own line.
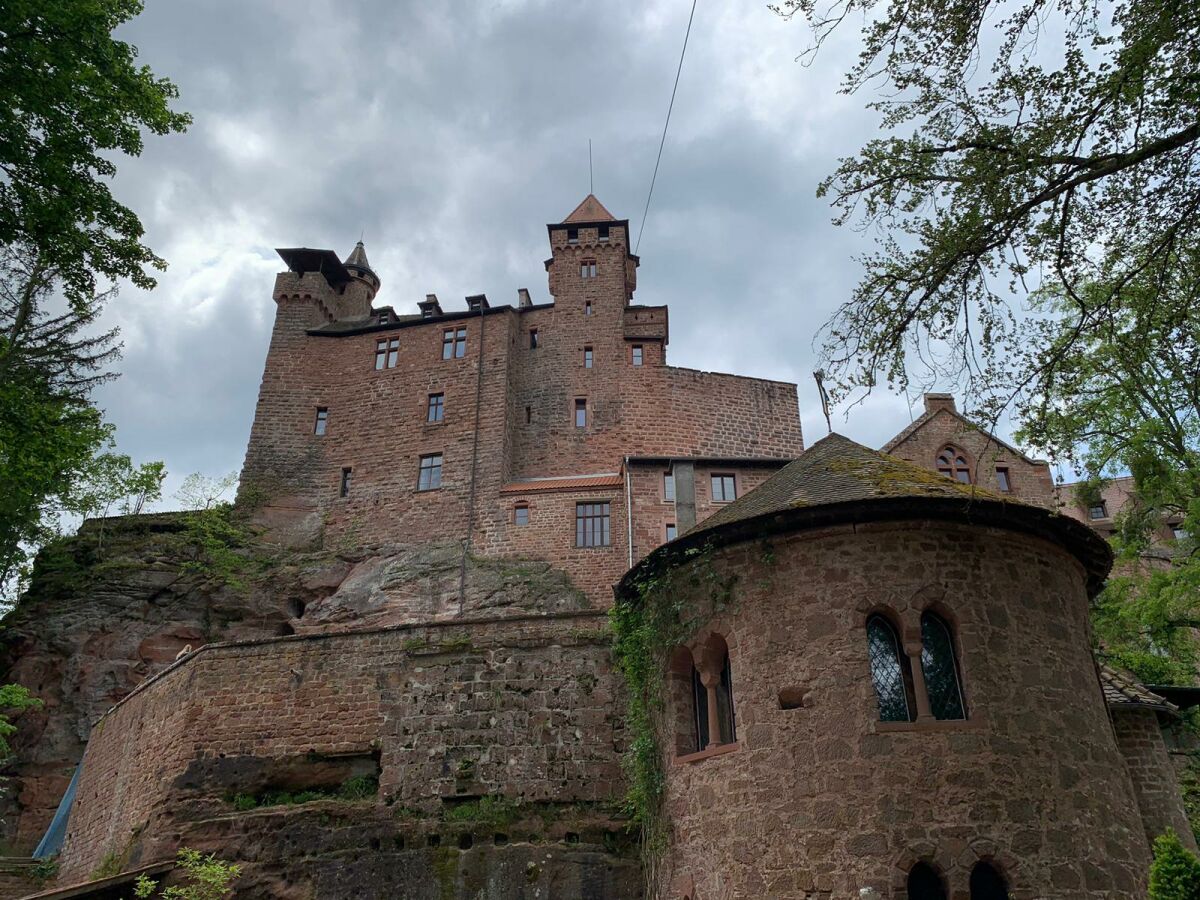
point(364, 283)
point(590, 257)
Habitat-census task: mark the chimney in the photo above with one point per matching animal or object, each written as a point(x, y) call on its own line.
point(523, 299)
point(477, 302)
point(934, 402)
point(430, 306)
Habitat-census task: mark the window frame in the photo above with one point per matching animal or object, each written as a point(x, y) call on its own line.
point(572, 235)
point(589, 356)
point(671, 531)
point(637, 355)
point(435, 402)
point(1003, 479)
point(434, 480)
point(931, 616)
point(521, 506)
point(587, 269)
point(712, 486)
point(668, 487)
point(534, 340)
point(587, 307)
point(454, 343)
point(1102, 506)
point(958, 464)
point(903, 668)
point(602, 233)
point(593, 524)
point(580, 407)
point(321, 423)
point(345, 484)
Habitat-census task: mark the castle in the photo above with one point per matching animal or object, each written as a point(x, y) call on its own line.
point(865, 674)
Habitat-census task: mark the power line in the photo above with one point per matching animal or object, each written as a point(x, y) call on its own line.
point(666, 124)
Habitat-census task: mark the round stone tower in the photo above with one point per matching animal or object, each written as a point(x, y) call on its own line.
point(886, 685)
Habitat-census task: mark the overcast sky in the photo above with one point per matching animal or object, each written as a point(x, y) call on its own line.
point(449, 135)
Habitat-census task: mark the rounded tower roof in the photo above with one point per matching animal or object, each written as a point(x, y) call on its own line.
point(837, 481)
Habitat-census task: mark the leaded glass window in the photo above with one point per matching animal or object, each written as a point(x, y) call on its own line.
point(940, 668)
point(987, 883)
point(925, 884)
point(888, 671)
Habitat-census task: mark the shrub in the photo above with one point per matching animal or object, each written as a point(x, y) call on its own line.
point(208, 878)
point(1175, 873)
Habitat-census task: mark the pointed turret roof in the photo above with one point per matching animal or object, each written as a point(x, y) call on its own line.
point(837, 481)
point(590, 210)
point(358, 258)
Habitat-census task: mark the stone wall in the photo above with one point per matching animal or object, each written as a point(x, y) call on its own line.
point(1029, 480)
point(526, 709)
point(1032, 780)
point(1152, 772)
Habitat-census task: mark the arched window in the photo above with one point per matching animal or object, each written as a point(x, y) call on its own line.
point(712, 692)
point(953, 464)
point(987, 883)
point(681, 697)
point(889, 672)
point(925, 884)
point(940, 668)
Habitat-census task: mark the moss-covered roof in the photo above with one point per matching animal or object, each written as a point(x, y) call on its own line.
point(836, 481)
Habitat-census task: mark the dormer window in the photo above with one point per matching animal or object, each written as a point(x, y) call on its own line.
point(572, 235)
point(602, 233)
point(953, 464)
point(587, 268)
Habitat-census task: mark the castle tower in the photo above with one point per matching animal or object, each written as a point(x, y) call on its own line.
point(363, 284)
point(590, 258)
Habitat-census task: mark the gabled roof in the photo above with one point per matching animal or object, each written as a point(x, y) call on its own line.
point(1122, 691)
point(837, 482)
point(930, 414)
point(590, 210)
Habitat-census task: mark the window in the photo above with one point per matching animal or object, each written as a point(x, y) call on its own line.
point(1099, 511)
point(591, 525)
point(987, 883)
point(430, 473)
point(533, 338)
point(889, 672)
point(1002, 479)
point(344, 490)
point(952, 464)
point(925, 884)
point(587, 357)
point(940, 668)
point(587, 308)
point(454, 343)
point(437, 408)
point(581, 413)
point(716, 695)
point(724, 489)
point(672, 531)
point(387, 353)
point(322, 421)
point(602, 233)
point(572, 235)
point(668, 487)
point(587, 268)
point(637, 354)
point(528, 414)
point(521, 514)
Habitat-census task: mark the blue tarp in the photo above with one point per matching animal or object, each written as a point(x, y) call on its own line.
point(52, 842)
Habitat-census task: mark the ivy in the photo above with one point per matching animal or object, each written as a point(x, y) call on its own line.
point(670, 606)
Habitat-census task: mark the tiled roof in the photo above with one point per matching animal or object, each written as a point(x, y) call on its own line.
point(590, 210)
point(836, 482)
point(837, 470)
point(571, 483)
point(1121, 690)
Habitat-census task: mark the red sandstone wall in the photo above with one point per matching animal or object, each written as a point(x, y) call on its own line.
point(1030, 481)
point(1153, 774)
point(825, 798)
point(531, 704)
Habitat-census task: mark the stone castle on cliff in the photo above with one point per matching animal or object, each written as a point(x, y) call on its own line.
point(866, 674)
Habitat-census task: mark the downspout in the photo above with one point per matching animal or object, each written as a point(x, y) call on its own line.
point(628, 514)
point(466, 547)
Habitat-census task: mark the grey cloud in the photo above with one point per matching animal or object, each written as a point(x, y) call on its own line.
point(450, 134)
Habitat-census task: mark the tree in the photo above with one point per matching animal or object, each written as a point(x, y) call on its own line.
point(1028, 146)
point(71, 96)
point(1175, 873)
point(56, 456)
point(200, 492)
